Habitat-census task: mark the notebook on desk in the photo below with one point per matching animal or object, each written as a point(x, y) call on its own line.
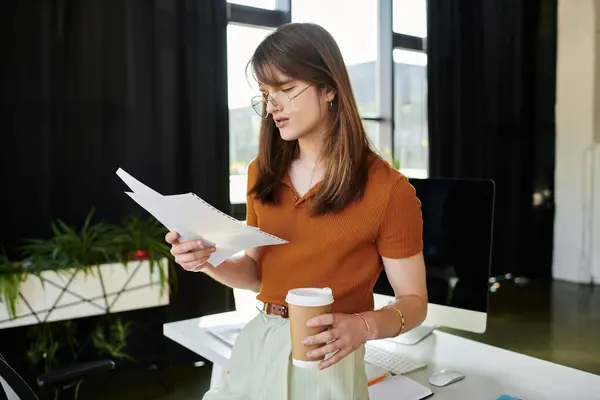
point(398, 387)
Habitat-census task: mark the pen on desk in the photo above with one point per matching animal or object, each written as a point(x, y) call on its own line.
point(378, 379)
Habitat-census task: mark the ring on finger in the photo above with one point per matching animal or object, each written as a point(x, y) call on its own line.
point(333, 338)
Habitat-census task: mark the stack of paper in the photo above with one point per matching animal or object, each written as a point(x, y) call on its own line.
point(193, 218)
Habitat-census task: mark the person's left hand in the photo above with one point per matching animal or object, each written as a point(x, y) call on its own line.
point(346, 333)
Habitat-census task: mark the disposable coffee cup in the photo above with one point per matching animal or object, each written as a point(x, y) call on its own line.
point(303, 305)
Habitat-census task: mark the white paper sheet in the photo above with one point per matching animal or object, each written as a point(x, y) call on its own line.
point(136, 185)
point(193, 218)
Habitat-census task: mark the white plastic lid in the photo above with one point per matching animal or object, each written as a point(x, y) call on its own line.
point(310, 297)
point(305, 364)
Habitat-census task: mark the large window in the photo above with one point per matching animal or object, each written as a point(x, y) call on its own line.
point(385, 59)
point(410, 136)
point(244, 124)
point(266, 4)
point(411, 149)
point(354, 27)
point(410, 17)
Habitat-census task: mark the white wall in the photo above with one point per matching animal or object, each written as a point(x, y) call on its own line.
point(577, 221)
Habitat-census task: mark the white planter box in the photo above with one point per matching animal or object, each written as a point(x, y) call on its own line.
point(71, 294)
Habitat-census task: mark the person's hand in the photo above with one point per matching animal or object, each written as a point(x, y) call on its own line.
point(346, 333)
point(192, 255)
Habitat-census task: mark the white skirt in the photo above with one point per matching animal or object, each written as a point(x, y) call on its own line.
point(261, 368)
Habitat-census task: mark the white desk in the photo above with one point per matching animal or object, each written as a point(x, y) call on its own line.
point(490, 371)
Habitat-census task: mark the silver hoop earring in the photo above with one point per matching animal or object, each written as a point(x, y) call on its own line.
point(331, 104)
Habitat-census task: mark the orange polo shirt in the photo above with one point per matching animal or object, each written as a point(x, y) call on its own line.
point(341, 251)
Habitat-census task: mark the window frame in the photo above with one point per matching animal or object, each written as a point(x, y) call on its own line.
point(400, 41)
point(387, 42)
point(260, 17)
point(256, 18)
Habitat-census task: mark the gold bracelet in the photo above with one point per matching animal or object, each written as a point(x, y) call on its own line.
point(401, 319)
point(365, 320)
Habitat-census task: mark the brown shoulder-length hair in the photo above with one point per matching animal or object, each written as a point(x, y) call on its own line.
point(307, 52)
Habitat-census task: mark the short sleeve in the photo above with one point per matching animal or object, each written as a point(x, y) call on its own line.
point(251, 218)
point(401, 230)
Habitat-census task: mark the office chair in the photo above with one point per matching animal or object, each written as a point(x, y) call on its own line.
point(62, 380)
point(12, 386)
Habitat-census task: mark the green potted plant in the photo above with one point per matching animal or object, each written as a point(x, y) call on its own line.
point(11, 277)
point(69, 248)
point(92, 258)
point(110, 337)
point(143, 239)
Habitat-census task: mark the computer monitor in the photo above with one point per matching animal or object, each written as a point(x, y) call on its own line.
point(458, 217)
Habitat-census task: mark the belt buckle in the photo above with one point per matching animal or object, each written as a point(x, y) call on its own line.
point(282, 310)
point(279, 309)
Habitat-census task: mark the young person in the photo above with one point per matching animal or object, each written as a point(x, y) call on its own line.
point(344, 210)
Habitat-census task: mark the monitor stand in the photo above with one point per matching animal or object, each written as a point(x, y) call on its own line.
point(413, 336)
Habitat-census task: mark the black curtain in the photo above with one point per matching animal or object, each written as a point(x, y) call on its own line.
point(90, 86)
point(484, 107)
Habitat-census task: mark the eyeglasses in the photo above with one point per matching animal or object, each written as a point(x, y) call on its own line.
point(280, 100)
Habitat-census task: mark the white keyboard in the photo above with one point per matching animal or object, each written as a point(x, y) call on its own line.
point(391, 361)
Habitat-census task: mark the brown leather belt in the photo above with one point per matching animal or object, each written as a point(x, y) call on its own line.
point(275, 309)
